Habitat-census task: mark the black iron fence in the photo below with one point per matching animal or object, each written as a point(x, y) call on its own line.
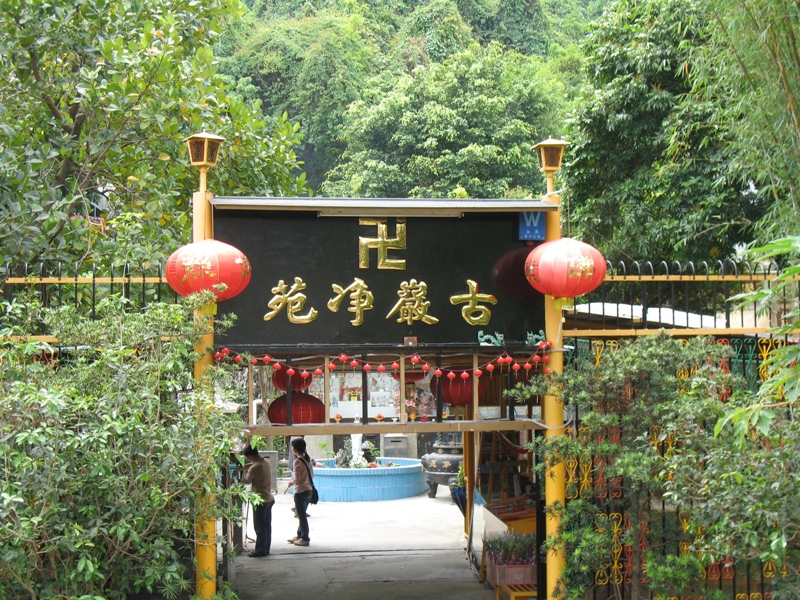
point(55, 284)
point(646, 296)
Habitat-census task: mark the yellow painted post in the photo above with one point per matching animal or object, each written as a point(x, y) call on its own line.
point(555, 480)
point(206, 524)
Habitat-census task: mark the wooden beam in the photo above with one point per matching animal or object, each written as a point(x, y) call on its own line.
point(392, 427)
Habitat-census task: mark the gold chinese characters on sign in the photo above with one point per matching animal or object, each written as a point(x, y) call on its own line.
point(412, 304)
point(474, 313)
point(292, 300)
point(360, 299)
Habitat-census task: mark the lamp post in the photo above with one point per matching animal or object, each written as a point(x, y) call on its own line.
point(550, 152)
point(203, 153)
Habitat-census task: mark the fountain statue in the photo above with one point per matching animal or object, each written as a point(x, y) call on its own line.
point(358, 453)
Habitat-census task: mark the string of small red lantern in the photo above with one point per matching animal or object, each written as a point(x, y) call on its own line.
point(536, 360)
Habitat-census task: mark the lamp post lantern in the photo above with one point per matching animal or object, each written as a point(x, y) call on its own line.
point(550, 152)
point(203, 153)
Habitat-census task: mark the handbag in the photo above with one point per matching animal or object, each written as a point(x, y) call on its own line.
point(314, 492)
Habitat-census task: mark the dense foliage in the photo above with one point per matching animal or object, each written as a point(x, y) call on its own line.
point(672, 442)
point(95, 99)
point(317, 60)
point(105, 452)
point(755, 454)
point(642, 404)
point(647, 175)
point(464, 127)
point(749, 72)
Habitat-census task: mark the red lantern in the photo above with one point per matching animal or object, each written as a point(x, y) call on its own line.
point(305, 409)
point(411, 376)
point(565, 268)
point(299, 383)
point(509, 276)
point(459, 393)
point(206, 264)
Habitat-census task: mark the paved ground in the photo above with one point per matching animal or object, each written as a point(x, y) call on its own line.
point(411, 548)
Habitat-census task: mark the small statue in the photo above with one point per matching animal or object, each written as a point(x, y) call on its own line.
point(340, 458)
point(487, 339)
point(531, 339)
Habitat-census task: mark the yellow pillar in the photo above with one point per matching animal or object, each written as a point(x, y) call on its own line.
point(206, 524)
point(555, 480)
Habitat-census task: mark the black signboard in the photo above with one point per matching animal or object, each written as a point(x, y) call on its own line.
point(350, 282)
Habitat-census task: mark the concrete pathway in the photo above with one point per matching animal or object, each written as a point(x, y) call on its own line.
point(397, 549)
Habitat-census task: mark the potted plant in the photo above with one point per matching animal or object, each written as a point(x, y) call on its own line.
point(511, 558)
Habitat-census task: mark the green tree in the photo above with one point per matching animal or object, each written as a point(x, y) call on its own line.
point(633, 192)
point(95, 98)
point(106, 450)
point(432, 32)
point(750, 70)
point(314, 59)
point(312, 68)
point(518, 24)
point(466, 126)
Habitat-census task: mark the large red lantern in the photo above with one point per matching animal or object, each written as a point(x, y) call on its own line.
point(299, 383)
point(305, 409)
point(459, 391)
point(206, 264)
point(509, 276)
point(565, 268)
point(411, 376)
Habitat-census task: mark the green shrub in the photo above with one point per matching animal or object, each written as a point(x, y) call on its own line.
point(107, 453)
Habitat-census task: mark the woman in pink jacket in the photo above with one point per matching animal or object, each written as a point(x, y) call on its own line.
point(303, 473)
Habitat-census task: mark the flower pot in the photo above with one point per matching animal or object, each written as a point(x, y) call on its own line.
point(499, 575)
